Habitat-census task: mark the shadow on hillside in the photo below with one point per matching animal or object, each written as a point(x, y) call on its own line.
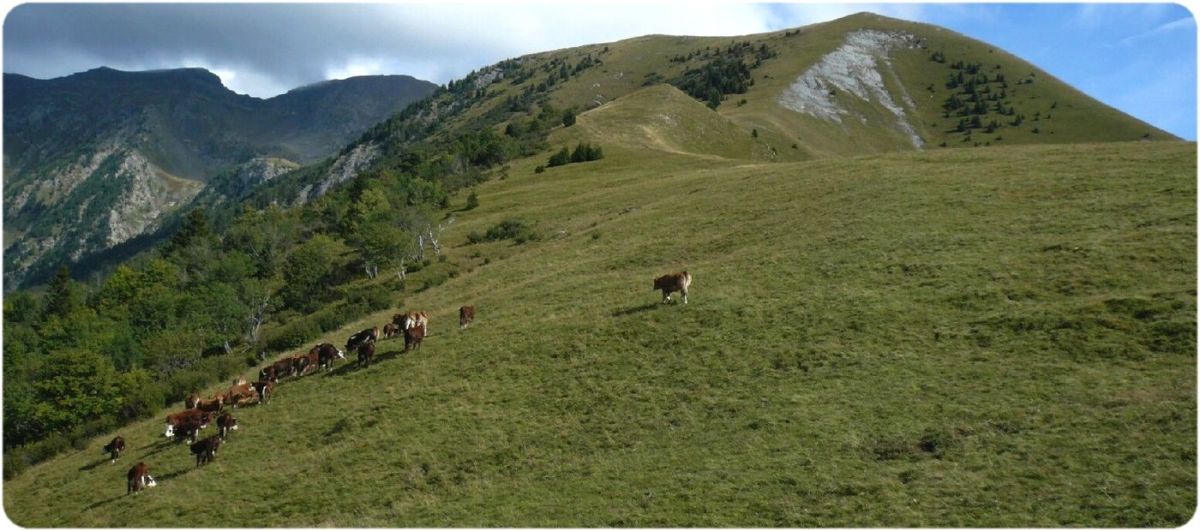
point(352, 365)
point(95, 464)
point(104, 502)
point(636, 309)
point(172, 475)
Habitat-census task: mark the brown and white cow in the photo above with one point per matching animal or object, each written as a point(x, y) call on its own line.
point(189, 417)
point(369, 335)
point(241, 394)
point(366, 351)
point(673, 282)
point(264, 388)
point(413, 337)
point(114, 448)
point(466, 314)
point(211, 405)
point(191, 400)
point(410, 319)
point(206, 450)
point(326, 353)
point(138, 478)
point(225, 424)
point(390, 330)
point(277, 370)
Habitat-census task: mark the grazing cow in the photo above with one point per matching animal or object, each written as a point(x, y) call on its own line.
point(673, 282)
point(369, 335)
point(366, 351)
point(138, 478)
point(191, 401)
point(264, 389)
point(114, 448)
point(206, 450)
point(413, 337)
point(326, 353)
point(188, 431)
point(300, 364)
point(211, 405)
point(410, 319)
point(466, 314)
point(225, 424)
point(277, 370)
point(187, 417)
point(390, 330)
point(240, 394)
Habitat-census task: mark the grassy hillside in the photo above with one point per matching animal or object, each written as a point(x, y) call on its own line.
point(984, 337)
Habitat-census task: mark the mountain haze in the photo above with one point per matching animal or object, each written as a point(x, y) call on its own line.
point(97, 158)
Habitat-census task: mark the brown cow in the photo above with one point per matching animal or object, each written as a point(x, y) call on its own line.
point(410, 319)
point(277, 370)
point(206, 450)
point(225, 424)
point(673, 282)
point(187, 417)
point(390, 330)
point(264, 389)
point(369, 335)
point(366, 351)
point(114, 448)
point(413, 337)
point(326, 353)
point(191, 400)
point(466, 314)
point(138, 478)
point(211, 405)
point(241, 394)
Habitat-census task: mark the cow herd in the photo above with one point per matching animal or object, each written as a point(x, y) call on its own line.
point(199, 412)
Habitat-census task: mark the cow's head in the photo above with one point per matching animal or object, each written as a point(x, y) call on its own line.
point(150, 481)
point(341, 355)
point(170, 431)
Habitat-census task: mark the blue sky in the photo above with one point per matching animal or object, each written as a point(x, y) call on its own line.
point(1140, 58)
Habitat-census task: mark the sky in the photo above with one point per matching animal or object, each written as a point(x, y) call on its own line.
point(1139, 58)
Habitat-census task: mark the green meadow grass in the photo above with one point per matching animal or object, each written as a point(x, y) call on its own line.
point(988, 337)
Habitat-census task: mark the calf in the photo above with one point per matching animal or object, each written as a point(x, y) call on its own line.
point(366, 351)
point(369, 335)
point(189, 417)
point(390, 330)
point(326, 353)
point(206, 450)
point(225, 424)
point(138, 478)
point(413, 337)
point(264, 389)
point(114, 448)
point(466, 314)
point(673, 282)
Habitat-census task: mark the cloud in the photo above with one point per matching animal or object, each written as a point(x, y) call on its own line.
point(264, 49)
point(1184, 23)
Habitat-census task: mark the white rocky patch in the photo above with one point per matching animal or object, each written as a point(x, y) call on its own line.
point(853, 68)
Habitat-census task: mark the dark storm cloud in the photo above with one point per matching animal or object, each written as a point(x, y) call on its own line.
point(264, 49)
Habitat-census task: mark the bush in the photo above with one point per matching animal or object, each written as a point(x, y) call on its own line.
point(472, 201)
point(559, 159)
point(293, 334)
point(539, 169)
point(514, 229)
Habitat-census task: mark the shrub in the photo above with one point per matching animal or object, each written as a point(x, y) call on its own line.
point(293, 334)
point(472, 201)
point(558, 159)
point(539, 169)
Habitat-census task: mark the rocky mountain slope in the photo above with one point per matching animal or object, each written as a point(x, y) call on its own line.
point(94, 159)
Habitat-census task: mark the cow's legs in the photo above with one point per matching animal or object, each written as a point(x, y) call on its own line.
point(685, 296)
